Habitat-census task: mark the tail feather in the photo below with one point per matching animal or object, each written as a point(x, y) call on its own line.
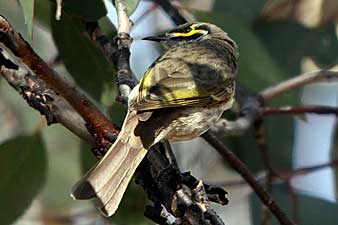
point(110, 178)
point(113, 195)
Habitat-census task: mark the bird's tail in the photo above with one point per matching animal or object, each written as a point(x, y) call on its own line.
point(109, 179)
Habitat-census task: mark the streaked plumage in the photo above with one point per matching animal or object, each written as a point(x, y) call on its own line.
point(180, 97)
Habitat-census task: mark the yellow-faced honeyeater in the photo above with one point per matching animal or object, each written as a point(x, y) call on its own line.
point(182, 94)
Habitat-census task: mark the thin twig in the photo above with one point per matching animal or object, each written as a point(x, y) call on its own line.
point(240, 167)
point(296, 110)
point(145, 14)
point(297, 82)
point(267, 161)
point(172, 12)
point(263, 148)
point(125, 78)
point(287, 175)
point(171, 154)
point(295, 203)
point(283, 176)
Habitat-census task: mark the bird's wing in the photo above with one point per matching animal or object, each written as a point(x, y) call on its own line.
point(174, 85)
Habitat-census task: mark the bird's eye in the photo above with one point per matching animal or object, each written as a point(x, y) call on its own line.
point(186, 30)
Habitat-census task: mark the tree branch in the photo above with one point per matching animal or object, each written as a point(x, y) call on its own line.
point(240, 167)
point(126, 80)
point(267, 161)
point(98, 125)
point(296, 110)
point(284, 176)
point(40, 97)
point(250, 109)
point(172, 11)
point(297, 82)
point(254, 109)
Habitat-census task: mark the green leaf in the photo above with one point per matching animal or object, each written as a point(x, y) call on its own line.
point(87, 159)
point(82, 58)
point(22, 171)
point(43, 12)
point(311, 210)
point(289, 42)
point(28, 12)
point(131, 5)
point(107, 27)
point(90, 10)
point(243, 10)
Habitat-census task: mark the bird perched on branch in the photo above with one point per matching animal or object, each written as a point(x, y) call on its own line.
point(182, 94)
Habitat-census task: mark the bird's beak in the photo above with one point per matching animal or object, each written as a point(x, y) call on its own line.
point(157, 38)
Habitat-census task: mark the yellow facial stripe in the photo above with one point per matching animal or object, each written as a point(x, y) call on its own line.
point(192, 32)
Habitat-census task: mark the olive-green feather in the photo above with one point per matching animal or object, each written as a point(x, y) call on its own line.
point(177, 79)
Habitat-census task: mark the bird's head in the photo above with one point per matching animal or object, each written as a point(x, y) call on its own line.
point(189, 32)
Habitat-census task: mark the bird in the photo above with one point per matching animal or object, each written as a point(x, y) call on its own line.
point(181, 95)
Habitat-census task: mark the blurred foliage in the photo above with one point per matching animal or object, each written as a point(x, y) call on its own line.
point(107, 27)
point(243, 10)
point(131, 209)
point(311, 13)
point(131, 5)
point(22, 171)
point(90, 10)
point(63, 168)
point(28, 12)
point(75, 46)
point(310, 210)
point(288, 50)
point(273, 41)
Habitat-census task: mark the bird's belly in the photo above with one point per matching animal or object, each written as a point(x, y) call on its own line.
point(193, 122)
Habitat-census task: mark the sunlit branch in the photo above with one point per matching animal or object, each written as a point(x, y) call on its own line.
point(297, 82)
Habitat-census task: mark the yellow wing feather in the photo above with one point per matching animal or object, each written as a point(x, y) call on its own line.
point(156, 93)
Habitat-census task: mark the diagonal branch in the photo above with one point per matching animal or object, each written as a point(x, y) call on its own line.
point(296, 110)
point(98, 125)
point(240, 167)
point(298, 82)
point(40, 97)
point(172, 11)
point(285, 176)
